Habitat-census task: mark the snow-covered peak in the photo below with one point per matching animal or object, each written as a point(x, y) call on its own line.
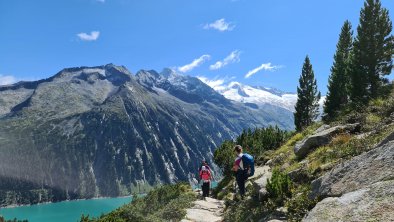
point(169, 73)
point(247, 94)
point(234, 85)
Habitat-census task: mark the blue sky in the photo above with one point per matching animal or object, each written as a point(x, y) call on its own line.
point(217, 39)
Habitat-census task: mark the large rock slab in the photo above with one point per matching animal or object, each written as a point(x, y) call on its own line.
point(321, 137)
point(363, 170)
point(259, 171)
point(199, 215)
point(372, 203)
point(261, 183)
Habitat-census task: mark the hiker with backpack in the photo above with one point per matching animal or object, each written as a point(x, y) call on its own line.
point(243, 168)
point(204, 163)
point(205, 176)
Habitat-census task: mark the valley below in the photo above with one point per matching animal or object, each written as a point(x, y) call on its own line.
point(103, 132)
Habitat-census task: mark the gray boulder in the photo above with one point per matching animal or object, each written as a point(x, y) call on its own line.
point(261, 183)
point(322, 128)
point(321, 137)
point(298, 175)
point(372, 203)
point(368, 168)
point(260, 171)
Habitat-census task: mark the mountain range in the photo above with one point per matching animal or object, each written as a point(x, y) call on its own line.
point(102, 131)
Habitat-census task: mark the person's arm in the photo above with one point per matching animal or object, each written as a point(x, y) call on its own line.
point(210, 173)
point(236, 165)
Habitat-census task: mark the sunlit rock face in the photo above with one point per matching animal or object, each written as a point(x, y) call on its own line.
point(101, 131)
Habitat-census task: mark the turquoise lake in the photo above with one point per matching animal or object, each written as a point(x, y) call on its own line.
point(66, 211)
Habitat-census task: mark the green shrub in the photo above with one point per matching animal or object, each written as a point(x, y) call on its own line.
point(279, 187)
point(166, 203)
point(299, 204)
point(253, 142)
point(247, 210)
point(224, 157)
point(220, 191)
point(297, 137)
point(14, 220)
point(379, 102)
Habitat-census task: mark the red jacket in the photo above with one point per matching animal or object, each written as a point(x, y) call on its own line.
point(205, 174)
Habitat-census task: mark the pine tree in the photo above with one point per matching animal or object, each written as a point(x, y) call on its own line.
point(373, 52)
point(338, 82)
point(307, 106)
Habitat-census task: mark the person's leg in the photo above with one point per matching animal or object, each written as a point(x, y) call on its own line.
point(204, 189)
point(208, 188)
point(242, 187)
point(241, 184)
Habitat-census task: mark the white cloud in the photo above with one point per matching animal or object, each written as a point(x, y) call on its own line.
point(265, 66)
point(218, 84)
point(197, 62)
point(220, 25)
point(6, 80)
point(233, 57)
point(214, 84)
point(89, 37)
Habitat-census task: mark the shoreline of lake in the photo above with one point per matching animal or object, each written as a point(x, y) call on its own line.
point(65, 211)
point(51, 202)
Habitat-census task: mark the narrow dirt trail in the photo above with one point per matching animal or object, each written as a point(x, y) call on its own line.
point(209, 210)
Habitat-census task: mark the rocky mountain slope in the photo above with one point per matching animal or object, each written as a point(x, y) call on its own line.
point(101, 131)
point(337, 172)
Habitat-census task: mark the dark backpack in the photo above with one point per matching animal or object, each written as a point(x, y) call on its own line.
point(207, 166)
point(248, 162)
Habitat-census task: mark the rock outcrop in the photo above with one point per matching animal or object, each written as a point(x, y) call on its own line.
point(298, 175)
point(261, 183)
point(373, 203)
point(260, 171)
point(363, 170)
point(361, 189)
point(321, 137)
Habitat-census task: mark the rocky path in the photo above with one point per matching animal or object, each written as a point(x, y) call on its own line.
point(209, 210)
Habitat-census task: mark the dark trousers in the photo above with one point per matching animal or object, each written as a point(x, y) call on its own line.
point(241, 179)
point(205, 189)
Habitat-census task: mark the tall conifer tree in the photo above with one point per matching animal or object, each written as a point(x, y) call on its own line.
point(338, 82)
point(307, 106)
point(373, 51)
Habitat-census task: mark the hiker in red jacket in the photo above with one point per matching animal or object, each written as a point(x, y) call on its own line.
point(205, 176)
